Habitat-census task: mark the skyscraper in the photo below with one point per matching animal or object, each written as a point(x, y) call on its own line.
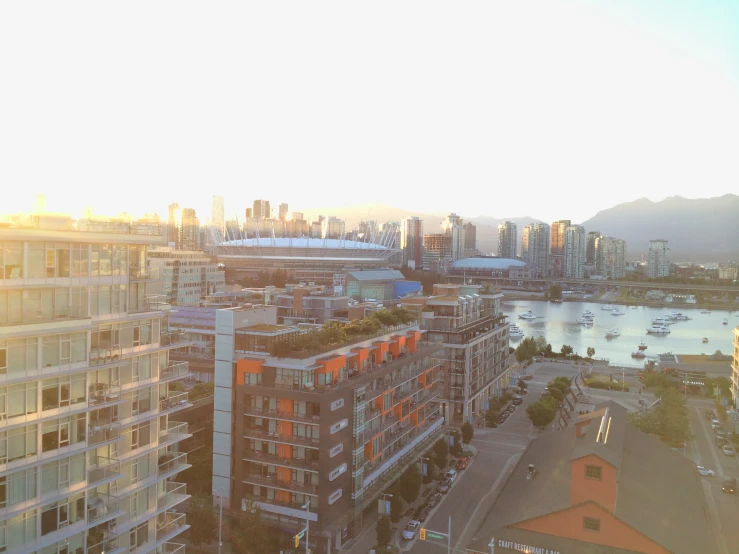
point(557, 245)
point(283, 211)
point(535, 247)
point(262, 209)
point(218, 214)
point(658, 262)
point(470, 240)
point(173, 222)
point(575, 249)
point(453, 226)
point(411, 242)
point(188, 236)
point(590, 249)
point(507, 240)
point(610, 257)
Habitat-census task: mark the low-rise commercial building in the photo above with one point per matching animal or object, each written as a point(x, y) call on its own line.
point(184, 276)
point(315, 304)
point(381, 285)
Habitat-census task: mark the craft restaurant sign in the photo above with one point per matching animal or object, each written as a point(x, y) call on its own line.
point(510, 545)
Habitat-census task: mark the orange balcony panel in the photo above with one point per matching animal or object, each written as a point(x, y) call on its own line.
point(247, 366)
point(363, 354)
point(285, 405)
point(284, 428)
point(283, 474)
point(284, 451)
point(333, 366)
point(282, 496)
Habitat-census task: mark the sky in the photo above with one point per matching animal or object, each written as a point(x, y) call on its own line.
point(553, 108)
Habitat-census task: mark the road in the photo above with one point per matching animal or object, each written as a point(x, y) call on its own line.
point(723, 508)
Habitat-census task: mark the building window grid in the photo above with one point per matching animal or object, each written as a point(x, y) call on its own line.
point(591, 524)
point(593, 472)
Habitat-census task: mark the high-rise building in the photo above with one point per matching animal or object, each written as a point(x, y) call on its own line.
point(188, 233)
point(336, 228)
point(610, 257)
point(297, 216)
point(735, 369)
point(262, 209)
point(411, 242)
point(437, 252)
point(90, 447)
point(283, 211)
point(470, 240)
point(658, 261)
point(557, 247)
point(535, 248)
point(185, 276)
point(318, 433)
point(590, 249)
point(173, 222)
point(453, 226)
point(249, 213)
point(218, 215)
point(507, 240)
point(575, 249)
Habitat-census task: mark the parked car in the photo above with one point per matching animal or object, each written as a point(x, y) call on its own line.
point(705, 472)
point(716, 424)
point(419, 511)
point(729, 450)
point(424, 513)
point(409, 533)
point(710, 416)
point(441, 476)
point(444, 486)
point(517, 400)
point(434, 499)
point(527, 377)
point(451, 475)
point(721, 441)
point(729, 485)
point(462, 463)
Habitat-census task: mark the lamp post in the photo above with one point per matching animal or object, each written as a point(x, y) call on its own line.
point(427, 460)
point(219, 492)
point(384, 506)
point(306, 507)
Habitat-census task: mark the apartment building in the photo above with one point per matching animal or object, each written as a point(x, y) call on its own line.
point(184, 276)
point(508, 240)
point(89, 441)
point(658, 260)
point(557, 247)
point(474, 334)
point(610, 257)
point(735, 369)
point(535, 247)
point(311, 303)
point(317, 434)
point(411, 242)
point(575, 252)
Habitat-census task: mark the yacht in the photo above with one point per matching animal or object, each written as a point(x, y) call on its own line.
point(638, 354)
point(633, 307)
point(588, 313)
point(585, 321)
point(705, 311)
point(658, 330)
point(677, 316)
point(607, 307)
point(642, 346)
point(612, 333)
point(617, 312)
point(515, 332)
point(664, 321)
point(705, 340)
point(528, 315)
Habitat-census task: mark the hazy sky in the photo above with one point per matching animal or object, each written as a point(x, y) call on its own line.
point(552, 108)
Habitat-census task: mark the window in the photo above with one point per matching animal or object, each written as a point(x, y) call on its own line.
point(252, 378)
point(11, 260)
point(18, 487)
point(22, 442)
point(593, 472)
point(60, 475)
point(60, 514)
point(22, 399)
point(63, 391)
point(139, 535)
point(591, 524)
point(18, 355)
point(140, 435)
point(21, 530)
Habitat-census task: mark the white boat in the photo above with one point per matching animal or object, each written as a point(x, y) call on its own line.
point(725, 321)
point(705, 311)
point(705, 340)
point(633, 307)
point(677, 316)
point(664, 321)
point(607, 307)
point(588, 313)
point(658, 330)
point(528, 315)
point(617, 312)
point(612, 333)
point(585, 321)
point(515, 332)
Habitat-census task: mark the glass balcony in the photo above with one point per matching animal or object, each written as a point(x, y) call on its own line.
point(173, 400)
point(173, 337)
point(103, 433)
point(138, 273)
point(280, 414)
point(100, 506)
point(258, 432)
point(174, 371)
point(105, 355)
point(170, 548)
point(104, 547)
point(169, 524)
point(175, 430)
point(271, 480)
point(101, 394)
point(173, 494)
point(105, 468)
point(171, 462)
point(153, 303)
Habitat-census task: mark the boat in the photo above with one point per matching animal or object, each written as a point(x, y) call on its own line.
point(677, 316)
point(633, 307)
point(658, 330)
point(585, 321)
point(617, 312)
point(515, 332)
point(528, 315)
point(725, 321)
point(705, 340)
point(638, 354)
point(588, 313)
point(664, 321)
point(642, 346)
point(705, 311)
point(612, 333)
point(607, 307)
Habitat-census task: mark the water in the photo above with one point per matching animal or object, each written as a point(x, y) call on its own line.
point(558, 323)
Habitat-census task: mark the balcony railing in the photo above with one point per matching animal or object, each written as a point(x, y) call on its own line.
point(103, 433)
point(173, 337)
point(178, 400)
point(280, 414)
point(274, 436)
point(105, 468)
point(170, 462)
point(137, 273)
point(29, 313)
point(175, 430)
point(100, 506)
point(174, 370)
point(274, 459)
point(104, 546)
point(273, 481)
point(154, 303)
point(105, 355)
point(170, 548)
point(173, 493)
point(104, 394)
point(275, 502)
point(172, 522)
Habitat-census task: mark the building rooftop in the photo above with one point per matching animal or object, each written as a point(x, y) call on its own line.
point(267, 328)
point(377, 275)
point(304, 242)
point(659, 492)
point(487, 263)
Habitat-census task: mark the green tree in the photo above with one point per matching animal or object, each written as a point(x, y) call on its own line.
point(441, 452)
point(526, 349)
point(566, 350)
point(591, 351)
point(669, 420)
point(542, 412)
point(410, 484)
point(456, 448)
point(199, 476)
point(559, 387)
point(540, 343)
point(398, 506)
point(467, 432)
point(384, 531)
point(249, 535)
point(202, 521)
point(491, 417)
point(554, 292)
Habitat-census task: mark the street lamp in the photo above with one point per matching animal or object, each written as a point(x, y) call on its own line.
point(306, 507)
point(219, 492)
point(384, 506)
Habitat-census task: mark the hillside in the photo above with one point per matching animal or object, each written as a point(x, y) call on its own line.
point(702, 229)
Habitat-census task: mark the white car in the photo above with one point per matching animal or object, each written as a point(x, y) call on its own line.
point(705, 472)
point(409, 533)
point(728, 450)
point(451, 475)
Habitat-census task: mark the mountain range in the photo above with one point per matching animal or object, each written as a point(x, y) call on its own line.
point(701, 229)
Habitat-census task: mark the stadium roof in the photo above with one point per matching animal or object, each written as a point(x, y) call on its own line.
point(487, 263)
point(378, 275)
point(304, 242)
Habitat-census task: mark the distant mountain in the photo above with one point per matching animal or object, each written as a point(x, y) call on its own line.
point(701, 229)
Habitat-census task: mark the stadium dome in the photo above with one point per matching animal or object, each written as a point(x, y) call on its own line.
point(486, 264)
point(304, 242)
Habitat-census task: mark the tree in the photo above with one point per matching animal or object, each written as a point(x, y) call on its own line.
point(522, 384)
point(467, 432)
point(456, 448)
point(491, 417)
point(559, 387)
point(430, 468)
point(410, 484)
point(591, 351)
point(199, 476)
point(384, 531)
point(540, 343)
point(669, 420)
point(526, 349)
point(201, 519)
point(398, 506)
point(542, 412)
point(441, 452)
point(249, 535)
point(566, 350)
point(554, 292)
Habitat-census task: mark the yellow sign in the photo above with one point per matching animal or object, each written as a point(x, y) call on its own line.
point(297, 541)
point(423, 534)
